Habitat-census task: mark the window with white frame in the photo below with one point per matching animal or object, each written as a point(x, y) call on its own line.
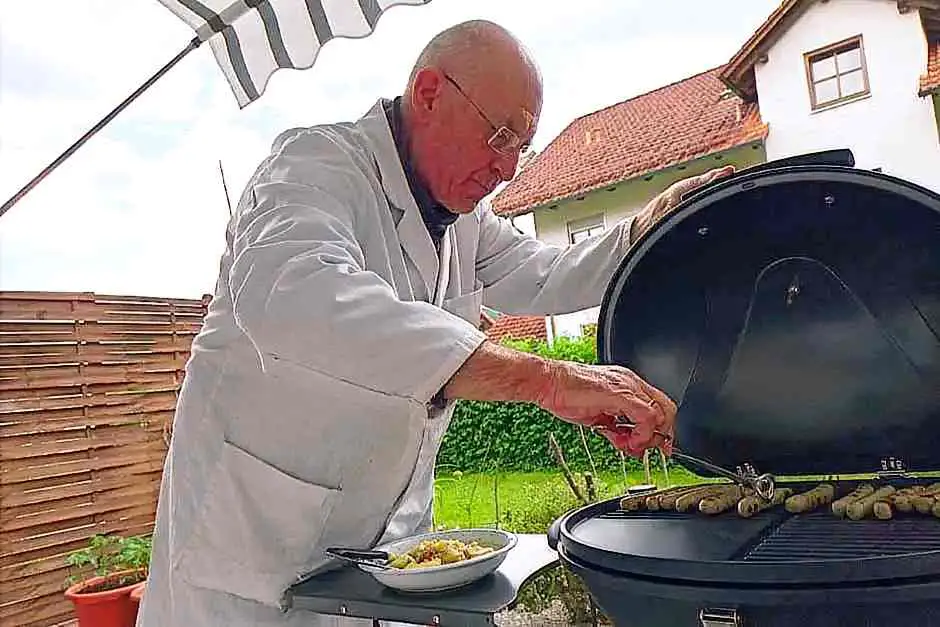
point(580, 230)
point(837, 73)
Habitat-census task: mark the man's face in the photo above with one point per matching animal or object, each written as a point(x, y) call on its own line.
point(471, 135)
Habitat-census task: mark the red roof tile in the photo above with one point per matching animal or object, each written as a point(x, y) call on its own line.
point(673, 124)
point(518, 327)
point(930, 82)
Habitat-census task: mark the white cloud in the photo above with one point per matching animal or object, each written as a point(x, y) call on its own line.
point(140, 208)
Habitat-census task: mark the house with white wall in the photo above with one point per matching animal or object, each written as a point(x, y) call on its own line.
point(817, 74)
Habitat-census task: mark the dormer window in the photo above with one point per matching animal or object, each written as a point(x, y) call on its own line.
point(837, 73)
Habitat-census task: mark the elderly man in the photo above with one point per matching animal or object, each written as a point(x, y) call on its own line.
point(345, 325)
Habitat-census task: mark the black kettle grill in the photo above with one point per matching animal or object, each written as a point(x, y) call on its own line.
point(793, 313)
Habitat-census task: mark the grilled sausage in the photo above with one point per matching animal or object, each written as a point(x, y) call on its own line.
point(923, 501)
point(903, 500)
point(808, 501)
point(691, 500)
point(752, 504)
point(652, 501)
point(864, 506)
point(718, 503)
point(882, 510)
point(668, 501)
point(633, 503)
point(840, 506)
point(936, 509)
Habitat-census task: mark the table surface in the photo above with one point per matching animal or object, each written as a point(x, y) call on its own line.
point(350, 592)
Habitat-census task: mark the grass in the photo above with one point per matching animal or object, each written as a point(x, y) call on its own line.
point(528, 502)
point(525, 501)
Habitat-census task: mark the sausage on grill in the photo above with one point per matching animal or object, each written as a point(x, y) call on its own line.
point(840, 506)
point(752, 504)
point(692, 499)
point(634, 502)
point(882, 510)
point(924, 501)
point(668, 501)
point(864, 506)
point(808, 501)
point(903, 500)
point(718, 503)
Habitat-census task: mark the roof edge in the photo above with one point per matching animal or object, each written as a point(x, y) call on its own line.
point(923, 92)
point(738, 72)
point(590, 190)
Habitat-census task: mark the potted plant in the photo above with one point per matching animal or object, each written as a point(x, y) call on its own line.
point(116, 566)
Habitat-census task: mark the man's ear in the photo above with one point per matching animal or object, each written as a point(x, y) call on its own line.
point(426, 91)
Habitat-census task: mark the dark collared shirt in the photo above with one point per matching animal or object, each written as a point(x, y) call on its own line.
point(436, 217)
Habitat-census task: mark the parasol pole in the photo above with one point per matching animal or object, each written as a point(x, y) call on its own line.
point(192, 45)
point(228, 201)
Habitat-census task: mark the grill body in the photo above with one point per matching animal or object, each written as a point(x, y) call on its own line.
point(669, 569)
point(633, 602)
point(793, 313)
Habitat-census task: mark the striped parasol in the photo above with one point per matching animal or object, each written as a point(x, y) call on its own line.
point(251, 40)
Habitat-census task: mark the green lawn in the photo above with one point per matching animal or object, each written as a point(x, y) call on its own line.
point(527, 502)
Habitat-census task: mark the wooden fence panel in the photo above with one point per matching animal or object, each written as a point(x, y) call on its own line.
point(88, 385)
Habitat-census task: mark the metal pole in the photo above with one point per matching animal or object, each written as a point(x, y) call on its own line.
point(192, 45)
point(225, 189)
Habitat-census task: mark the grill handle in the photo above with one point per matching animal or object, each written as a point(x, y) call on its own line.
point(553, 533)
point(839, 157)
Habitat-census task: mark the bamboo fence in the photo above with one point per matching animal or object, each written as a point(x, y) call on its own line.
point(88, 386)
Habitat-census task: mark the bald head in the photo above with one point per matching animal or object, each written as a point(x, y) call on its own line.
point(476, 47)
point(471, 87)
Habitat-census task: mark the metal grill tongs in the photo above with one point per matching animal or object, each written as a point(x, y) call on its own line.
point(763, 484)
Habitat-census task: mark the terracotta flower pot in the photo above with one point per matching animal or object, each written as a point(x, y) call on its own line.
point(97, 604)
point(138, 592)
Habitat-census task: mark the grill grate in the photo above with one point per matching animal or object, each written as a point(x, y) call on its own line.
point(821, 536)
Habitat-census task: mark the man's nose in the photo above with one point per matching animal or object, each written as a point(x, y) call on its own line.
point(505, 166)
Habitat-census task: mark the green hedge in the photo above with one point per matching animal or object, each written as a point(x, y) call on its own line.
point(514, 436)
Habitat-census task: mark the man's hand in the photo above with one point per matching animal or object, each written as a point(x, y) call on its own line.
point(665, 202)
point(594, 396)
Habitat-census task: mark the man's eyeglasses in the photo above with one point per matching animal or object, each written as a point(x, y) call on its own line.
point(504, 140)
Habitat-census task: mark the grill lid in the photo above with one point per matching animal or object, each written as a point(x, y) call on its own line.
point(793, 313)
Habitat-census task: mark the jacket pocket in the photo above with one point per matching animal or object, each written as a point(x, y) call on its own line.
point(256, 530)
point(468, 306)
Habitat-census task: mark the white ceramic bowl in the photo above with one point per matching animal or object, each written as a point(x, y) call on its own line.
point(447, 576)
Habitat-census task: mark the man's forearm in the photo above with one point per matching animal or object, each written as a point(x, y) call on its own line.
point(499, 373)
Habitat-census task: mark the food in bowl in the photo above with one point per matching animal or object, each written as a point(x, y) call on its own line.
point(439, 552)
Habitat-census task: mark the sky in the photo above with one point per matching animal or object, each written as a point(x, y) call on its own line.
point(140, 209)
